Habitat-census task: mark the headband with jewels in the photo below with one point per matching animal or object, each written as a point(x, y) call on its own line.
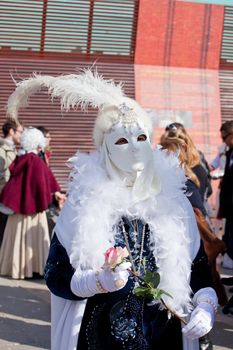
point(83, 90)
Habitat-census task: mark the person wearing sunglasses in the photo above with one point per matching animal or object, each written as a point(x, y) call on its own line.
point(199, 169)
point(176, 140)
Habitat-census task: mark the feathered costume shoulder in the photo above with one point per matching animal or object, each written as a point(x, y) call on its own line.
point(95, 206)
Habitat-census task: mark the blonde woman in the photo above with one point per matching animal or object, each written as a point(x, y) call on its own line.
point(190, 157)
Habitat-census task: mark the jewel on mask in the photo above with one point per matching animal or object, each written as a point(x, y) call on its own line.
point(123, 108)
point(127, 114)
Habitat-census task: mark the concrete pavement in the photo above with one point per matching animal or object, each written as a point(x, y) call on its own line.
point(25, 317)
point(222, 332)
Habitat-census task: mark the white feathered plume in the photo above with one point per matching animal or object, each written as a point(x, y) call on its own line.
point(86, 89)
point(26, 88)
point(74, 90)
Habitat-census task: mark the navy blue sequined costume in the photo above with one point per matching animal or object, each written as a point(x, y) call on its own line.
point(118, 320)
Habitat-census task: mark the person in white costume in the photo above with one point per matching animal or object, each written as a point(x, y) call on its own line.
point(124, 194)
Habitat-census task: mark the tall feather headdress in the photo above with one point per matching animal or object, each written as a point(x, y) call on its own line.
point(87, 89)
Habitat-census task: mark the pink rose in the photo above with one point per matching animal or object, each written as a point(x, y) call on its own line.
point(115, 256)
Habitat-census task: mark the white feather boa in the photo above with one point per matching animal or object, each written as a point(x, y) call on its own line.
point(95, 204)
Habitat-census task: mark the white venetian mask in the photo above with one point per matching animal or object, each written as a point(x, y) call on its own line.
point(128, 158)
point(128, 147)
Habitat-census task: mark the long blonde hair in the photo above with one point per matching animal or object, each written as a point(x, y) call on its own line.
point(176, 139)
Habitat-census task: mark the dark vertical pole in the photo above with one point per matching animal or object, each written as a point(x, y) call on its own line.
point(90, 23)
point(43, 26)
point(134, 29)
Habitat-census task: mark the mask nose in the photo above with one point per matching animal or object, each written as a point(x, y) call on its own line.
point(135, 147)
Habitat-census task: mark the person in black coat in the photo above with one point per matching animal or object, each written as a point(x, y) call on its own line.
point(226, 192)
point(226, 196)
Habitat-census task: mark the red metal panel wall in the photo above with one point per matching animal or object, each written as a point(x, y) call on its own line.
point(179, 34)
point(71, 131)
point(57, 37)
point(226, 90)
point(77, 28)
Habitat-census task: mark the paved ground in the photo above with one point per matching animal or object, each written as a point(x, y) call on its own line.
point(222, 333)
point(25, 317)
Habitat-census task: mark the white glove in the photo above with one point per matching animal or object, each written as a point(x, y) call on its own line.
point(88, 283)
point(201, 321)
point(202, 317)
point(112, 281)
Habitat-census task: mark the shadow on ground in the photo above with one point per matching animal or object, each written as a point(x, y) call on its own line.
point(222, 334)
point(25, 315)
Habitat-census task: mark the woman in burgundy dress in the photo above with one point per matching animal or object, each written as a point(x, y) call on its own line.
point(27, 195)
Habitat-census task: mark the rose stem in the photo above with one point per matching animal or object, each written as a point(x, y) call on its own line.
point(162, 301)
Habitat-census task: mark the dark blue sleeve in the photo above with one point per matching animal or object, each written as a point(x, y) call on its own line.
point(194, 196)
point(201, 276)
point(58, 271)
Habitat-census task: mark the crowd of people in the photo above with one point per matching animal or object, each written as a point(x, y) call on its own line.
point(134, 243)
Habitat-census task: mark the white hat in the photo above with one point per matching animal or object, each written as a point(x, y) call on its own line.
point(83, 90)
point(31, 139)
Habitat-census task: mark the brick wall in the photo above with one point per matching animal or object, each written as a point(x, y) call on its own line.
point(176, 68)
point(179, 34)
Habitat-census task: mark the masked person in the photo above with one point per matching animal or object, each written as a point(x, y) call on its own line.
point(122, 195)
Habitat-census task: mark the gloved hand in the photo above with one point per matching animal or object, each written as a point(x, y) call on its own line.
point(202, 317)
point(201, 321)
point(88, 283)
point(112, 281)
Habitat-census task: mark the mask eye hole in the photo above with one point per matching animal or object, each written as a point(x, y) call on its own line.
point(142, 137)
point(121, 141)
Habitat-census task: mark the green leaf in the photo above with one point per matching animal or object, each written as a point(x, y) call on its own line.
point(152, 278)
point(156, 293)
point(141, 291)
point(148, 287)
